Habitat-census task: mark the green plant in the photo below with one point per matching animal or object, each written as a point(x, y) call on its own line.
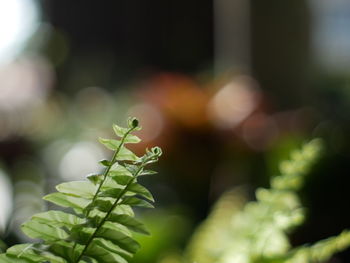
point(2, 246)
point(96, 225)
point(258, 231)
point(98, 218)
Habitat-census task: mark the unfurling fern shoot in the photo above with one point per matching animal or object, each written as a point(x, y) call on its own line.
point(97, 228)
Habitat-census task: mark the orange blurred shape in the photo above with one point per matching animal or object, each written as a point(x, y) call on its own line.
point(179, 97)
point(151, 120)
point(156, 130)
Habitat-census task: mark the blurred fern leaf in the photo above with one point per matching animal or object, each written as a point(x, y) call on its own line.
point(259, 231)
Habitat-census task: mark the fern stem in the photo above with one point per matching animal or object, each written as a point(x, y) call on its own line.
point(109, 167)
point(109, 212)
point(105, 174)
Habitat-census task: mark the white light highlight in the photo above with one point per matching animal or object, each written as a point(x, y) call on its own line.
point(18, 21)
point(5, 200)
point(80, 160)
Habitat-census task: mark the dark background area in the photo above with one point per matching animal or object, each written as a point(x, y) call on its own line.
point(139, 36)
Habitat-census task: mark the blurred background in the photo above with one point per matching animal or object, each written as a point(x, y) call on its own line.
point(226, 87)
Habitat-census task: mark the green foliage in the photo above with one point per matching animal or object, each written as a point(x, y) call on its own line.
point(98, 220)
point(211, 235)
point(2, 246)
point(257, 231)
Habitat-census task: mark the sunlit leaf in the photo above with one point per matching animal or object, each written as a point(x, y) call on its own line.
point(35, 229)
point(119, 238)
point(67, 201)
point(129, 222)
point(141, 190)
point(126, 155)
point(58, 219)
point(110, 143)
point(101, 252)
point(148, 172)
point(134, 201)
point(114, 193)
point(119, 131)
point(95, 178)
point(83, 189)
point(105, 163)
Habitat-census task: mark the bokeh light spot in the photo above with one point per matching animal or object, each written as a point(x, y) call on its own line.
point(80, 160)
point(5, 200)
point(18, 21)
point(233, 103)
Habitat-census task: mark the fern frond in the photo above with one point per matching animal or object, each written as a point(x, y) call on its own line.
point(322, 250)
point(259, 231)
point(98, 225)
point(206, 242)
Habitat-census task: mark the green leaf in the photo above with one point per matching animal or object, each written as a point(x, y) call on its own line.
point(134, 201)
point(110, 143)
point(122, 179)
point(130, 138)
point(17, 252)
point(81, 234)
point(110, 184)
point(141, 190)
point(58, 219)
point(115, 144)
point(95, 178)
point(65, 250)
point(24, 252)
point(102, 205)
point(114, 193)
point(126, 155)
point(53, 258)
point(33, 254)
point(119, 238)
point(86, 259)
point(148, 172)
point(94, 220)
point(117, 227)
point(35, 229)
point(118, 210)
point(101, 253)
point(132, 168)
point(119, 169)
point(129, 222)
point(119, 131)
point(105, 163)
point(123, 209)
point(83, 189)
point(120, 174)
point(64, 200)
point(108, 245)
point(4, 258)
point(97, 215)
